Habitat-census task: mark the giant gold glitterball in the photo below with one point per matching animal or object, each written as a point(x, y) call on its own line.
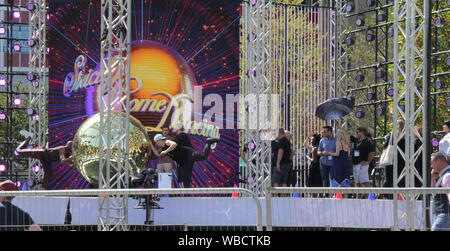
point(86, 145)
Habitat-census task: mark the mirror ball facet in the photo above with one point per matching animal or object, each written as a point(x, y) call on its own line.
point(86, 144)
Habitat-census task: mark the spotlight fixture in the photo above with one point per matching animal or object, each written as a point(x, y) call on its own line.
point(402, 107)
point(2, 116)
point(35, 83)
point(359, 114)
point(17, 101)
point(3, 82)
point(349, 41)
point(379, 73)
point(390, 92)
point(381, 17)
point(18, 183)
point(370, 37)
point(438, 21)
point(31, 76)
point(253, 2)
point(16, 14)
point(2, 167)
point(371, 96)
point(447, 102)
point(379, 111)
point(447, 61)
point(2, 30)
point(31, 42)
point(390, 32)
point(438, 84)
point(359, 21)
point(370, 3)
point(31, 111)
point(350, 6)
point(36, 168)
point(435, 142)
point(17, 47)
point(31, 6)
point(360, 77)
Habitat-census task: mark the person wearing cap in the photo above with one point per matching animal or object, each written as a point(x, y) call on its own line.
point(184, 156)
point(12, 218)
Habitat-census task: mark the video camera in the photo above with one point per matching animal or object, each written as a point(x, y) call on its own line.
point(146, 178)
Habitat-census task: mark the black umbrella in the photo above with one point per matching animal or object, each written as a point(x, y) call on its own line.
point(335, 108)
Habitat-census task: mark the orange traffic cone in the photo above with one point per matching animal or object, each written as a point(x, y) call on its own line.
point(235, 195)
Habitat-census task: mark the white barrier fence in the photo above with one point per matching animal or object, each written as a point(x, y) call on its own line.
point(407, 208)
point(217, 209)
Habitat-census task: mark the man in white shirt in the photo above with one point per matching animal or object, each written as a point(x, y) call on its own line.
point(444, 144)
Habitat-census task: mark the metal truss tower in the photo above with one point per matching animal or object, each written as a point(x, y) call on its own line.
point(256, 87)
point(114, 103)
point(38, 86)
point(412, 65)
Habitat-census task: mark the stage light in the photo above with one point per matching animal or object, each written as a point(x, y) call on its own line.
point(359, 114)
point(360, 77)
point(35, 117)
point(2, 30)
point(36, 169)
point(379, 73)
point(381, 17)
point(447, 102)
point(31, 42)
point(370, 3)
point(17, 47)
point(2, 116)
point(350, 6)
point(379, 111)
point(16, 14)
point(390, 92)
point(371, 96)
point(402, 107)
point(31, 6)
point(438, 84)
point(349, 41)
point(390, 32)
point(31, 111)
point(435, 142)
point(3, 82)
point(31, 76)
point(359, 21)
point(2, 168)
point(18, 183)
point(253, 2)
point(370, 37)
point(251, 73)
point(17, 101)
point(447, 61)
point(438, 22)
point(35, 83)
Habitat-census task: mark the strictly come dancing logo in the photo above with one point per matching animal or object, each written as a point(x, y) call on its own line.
point(163, 91)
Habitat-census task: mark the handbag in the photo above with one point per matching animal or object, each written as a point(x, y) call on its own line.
point(387, 156)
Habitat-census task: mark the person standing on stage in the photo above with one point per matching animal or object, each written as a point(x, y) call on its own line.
point(327, 144)
point(360, 159)
point(165, 164)
point(184, 156)
point(280, 174)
